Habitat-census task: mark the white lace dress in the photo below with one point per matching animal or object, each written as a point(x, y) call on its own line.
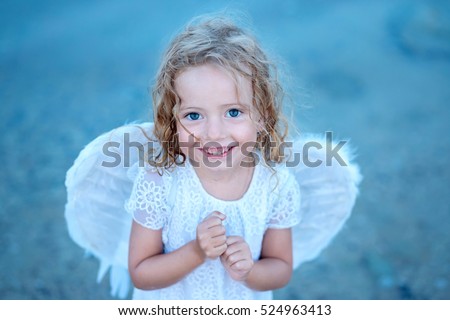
point(97, 221)
point(177, 203)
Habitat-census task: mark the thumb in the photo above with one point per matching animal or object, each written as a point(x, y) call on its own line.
point(217, 214)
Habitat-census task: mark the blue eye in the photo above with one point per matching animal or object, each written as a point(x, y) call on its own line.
point(233, 113)
point(193, 116)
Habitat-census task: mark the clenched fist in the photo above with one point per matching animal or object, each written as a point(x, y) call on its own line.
point(211, 236)
point(237, 258)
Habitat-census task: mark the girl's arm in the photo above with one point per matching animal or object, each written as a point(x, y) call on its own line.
point(151, 269)
point(274, 268)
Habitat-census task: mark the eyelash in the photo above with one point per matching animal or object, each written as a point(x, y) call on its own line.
point(234, 109)
point(189, 115)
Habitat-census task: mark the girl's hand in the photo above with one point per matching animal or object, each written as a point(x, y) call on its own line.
point(211, 236)
point(237, 259)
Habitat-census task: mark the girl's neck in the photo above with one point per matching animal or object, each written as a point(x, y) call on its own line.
point(230, 184)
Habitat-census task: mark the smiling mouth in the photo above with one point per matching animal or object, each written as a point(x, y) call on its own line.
point(217, 152)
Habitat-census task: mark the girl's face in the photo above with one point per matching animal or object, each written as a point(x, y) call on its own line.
point(218, 124)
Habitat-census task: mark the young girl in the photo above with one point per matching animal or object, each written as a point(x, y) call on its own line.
point(214, 203)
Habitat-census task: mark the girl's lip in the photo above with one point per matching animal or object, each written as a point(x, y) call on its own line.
point(217, 152)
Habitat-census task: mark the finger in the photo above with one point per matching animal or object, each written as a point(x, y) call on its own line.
point(220, 215)
point(210, 223)
point(216, 214)
point(231, 250)
point(215, 252)
point(235, 249)
point(205, 235)
point(216, 231)
point(235, 245)
point(219, 241)
point(212, 220)
point(235, 258)
point(220, 249)
point(242, 265)
point(234, 240)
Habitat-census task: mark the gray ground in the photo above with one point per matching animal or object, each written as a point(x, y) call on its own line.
point(377, 72)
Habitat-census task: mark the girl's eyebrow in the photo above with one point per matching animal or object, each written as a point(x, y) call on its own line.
point(242, 105)
point(236, 104)
point(187, 107)
point(222, 106)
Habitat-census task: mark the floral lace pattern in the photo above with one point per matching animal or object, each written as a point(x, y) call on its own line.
point(177, 203)
point(148, 200)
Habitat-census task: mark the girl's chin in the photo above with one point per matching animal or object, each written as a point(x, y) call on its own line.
point(212, 162)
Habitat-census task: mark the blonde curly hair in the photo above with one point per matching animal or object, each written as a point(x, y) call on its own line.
point(220, 41)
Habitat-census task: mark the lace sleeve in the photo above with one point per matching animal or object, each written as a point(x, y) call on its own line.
point(285, 209)
point(148, 201)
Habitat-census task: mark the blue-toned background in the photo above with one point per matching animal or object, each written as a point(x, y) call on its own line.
point(377, 72)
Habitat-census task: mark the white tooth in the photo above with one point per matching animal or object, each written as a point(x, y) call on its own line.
point(217, 152)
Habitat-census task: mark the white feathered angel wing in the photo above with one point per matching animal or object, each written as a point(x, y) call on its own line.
point(98, 184)
point(328, 189)
point(101, 180)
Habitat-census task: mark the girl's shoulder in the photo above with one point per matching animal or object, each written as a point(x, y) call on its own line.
point(151, 177)
point(277, 175)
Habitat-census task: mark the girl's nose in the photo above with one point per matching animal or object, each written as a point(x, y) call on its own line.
point(215, 130)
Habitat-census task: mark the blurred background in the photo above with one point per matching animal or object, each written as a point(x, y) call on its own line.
point(374, 72)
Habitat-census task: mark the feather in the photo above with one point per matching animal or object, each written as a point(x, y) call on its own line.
point(328, 192)
point(96, 194)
